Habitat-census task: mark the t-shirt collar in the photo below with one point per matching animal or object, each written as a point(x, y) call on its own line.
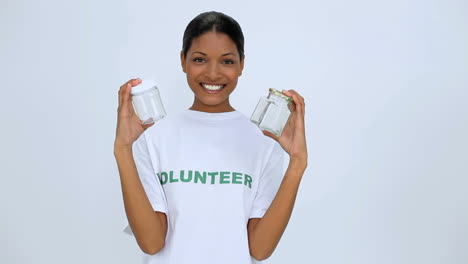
point(212, 116)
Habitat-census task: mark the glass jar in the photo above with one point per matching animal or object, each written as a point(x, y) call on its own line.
point(147, 102)
point(272, 112)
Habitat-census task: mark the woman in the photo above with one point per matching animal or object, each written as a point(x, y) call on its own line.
point(205, 185)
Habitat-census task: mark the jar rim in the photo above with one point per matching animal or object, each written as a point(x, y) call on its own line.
point(144, 86)
point(280, 94)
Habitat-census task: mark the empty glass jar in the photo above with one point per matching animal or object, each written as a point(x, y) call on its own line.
point(272, 112)
point(147, 102)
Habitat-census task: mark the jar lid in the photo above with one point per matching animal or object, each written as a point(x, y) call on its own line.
point(280, 94)
point(145, 85)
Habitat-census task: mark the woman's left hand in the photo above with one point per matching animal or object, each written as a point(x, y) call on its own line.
point(293, 140)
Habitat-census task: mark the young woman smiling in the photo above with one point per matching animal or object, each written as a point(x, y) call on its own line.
point(209, 221)
point(213, 65)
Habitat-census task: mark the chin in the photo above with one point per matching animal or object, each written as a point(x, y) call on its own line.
point(211, 101)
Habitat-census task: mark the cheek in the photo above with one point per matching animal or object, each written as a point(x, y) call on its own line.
point(233, 74)
point(193, 71)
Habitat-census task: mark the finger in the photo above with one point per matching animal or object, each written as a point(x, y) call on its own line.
point(148, 125)
point(135, 82)
point(298, 115)
point(292, 93)
point(124, 91)
point(120, 96)
point(301, 99)
point(298, 103)
point(126, 96)
point(132, 82)
point(268, 134)
point(299, 106)
point(292, 107)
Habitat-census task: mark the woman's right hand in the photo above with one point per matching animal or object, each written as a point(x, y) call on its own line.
point(129, 127)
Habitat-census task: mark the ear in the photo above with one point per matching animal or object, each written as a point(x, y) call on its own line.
point(242, 65)
point(182, 61)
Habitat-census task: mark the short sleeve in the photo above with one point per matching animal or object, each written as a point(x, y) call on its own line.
point(147, 168)
point(269, 183)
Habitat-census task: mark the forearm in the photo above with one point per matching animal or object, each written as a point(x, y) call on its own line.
point(148, 228)
point(268, 231)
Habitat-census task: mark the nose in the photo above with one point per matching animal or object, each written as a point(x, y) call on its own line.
point(212, 72)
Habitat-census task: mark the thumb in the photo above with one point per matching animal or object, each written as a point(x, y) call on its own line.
point(146, 126)
point(271, 135)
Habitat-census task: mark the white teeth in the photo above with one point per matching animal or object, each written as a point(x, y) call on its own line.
point(212, 87)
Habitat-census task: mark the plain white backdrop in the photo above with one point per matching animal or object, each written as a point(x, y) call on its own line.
point(385, 85)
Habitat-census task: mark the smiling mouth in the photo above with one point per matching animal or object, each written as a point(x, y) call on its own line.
point(212, 87)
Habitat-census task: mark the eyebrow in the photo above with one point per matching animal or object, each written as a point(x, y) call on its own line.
point(204, 54)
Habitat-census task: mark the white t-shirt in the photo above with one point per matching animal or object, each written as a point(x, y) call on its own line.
point(210, 173)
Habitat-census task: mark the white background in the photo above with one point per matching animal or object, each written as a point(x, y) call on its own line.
point(385, 85)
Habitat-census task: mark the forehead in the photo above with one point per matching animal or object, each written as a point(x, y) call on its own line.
point(213, 42)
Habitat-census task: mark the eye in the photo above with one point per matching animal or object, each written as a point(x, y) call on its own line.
point(199, 60)
point(228, 61)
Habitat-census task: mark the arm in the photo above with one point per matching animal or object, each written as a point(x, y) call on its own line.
point(148, 226)
point(265, 233)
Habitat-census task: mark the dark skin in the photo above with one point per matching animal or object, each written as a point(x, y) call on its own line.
point(212, 59)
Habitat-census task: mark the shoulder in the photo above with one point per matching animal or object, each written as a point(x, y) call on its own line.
point(255, 136)
point(164, 124)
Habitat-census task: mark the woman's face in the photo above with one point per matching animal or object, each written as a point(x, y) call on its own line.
point(212, 66)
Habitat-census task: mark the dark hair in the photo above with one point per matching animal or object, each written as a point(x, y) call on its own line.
point(217, 22)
